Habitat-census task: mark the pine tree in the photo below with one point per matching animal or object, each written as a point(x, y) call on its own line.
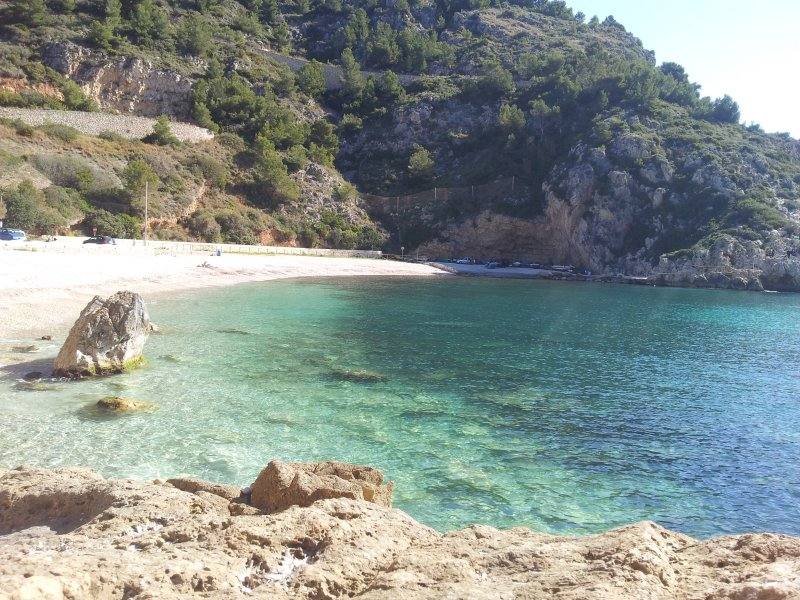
point(311, 79)
point(420, 164)
point(390, 89)
point(269, 12)
point(281, 36)
point(113, 11)
point(149, 22)
point(162, 133)
point(353, 79)
point(29, 12)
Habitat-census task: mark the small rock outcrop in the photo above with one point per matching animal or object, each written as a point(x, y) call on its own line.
point(107, 338)
point(120, 404)
point(193, 486)
point(281, 485)
point(71, 534)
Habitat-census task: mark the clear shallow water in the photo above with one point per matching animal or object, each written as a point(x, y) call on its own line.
point(566, 408)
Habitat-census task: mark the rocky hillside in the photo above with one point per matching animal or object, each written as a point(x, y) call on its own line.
point(322, 531)
point(617, 164)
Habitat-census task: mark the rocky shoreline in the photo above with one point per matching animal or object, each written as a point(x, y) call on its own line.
point(739, 280)
point(326, 530)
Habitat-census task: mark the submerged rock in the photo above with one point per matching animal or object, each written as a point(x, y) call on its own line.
point(120, 404)
point(74, 534)
point(281, 485)
point(24, 349)
point(232, 331)
point(34, 385)
point(171, 358)
point(107, 338)
point(358, 375)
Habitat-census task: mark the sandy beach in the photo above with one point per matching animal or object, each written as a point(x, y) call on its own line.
point(43, 291)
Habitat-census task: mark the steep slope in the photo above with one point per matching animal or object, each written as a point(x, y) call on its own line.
point(581, 149)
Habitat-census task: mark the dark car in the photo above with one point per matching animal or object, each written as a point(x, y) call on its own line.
point(12, 235)
point(100, 239)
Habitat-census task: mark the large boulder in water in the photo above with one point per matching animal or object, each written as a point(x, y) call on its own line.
point(108, 337)
point(281, 485)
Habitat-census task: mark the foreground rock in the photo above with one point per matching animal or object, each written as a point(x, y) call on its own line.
point(108, 337)
point(281, 485)
point(69, 533)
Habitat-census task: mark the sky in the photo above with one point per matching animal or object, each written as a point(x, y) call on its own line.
point(749, 49)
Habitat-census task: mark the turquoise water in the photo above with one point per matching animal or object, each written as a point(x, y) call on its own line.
point(564, 407)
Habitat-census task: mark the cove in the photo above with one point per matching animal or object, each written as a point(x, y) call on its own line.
point(567, 408)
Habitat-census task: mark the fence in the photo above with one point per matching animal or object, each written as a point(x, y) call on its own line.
point(413, 212)
point(158, 247)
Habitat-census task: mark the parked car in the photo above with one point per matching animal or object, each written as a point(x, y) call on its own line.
point(464, 261)
point(12, 235)
point(100, 239)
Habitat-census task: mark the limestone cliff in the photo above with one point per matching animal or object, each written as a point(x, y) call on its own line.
point(128, 84)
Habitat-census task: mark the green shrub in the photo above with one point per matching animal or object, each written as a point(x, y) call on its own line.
point(345, 192)
point(420, 164)
point(350, 123)
point(70, 171)
point(112, 136)
point(162, 133)
point(202, 224)
point(23, 128)
point(194, 35)
point(65, 133)
point(115, 225)
point(311, 79)
point(296, 158)
point(137, 174)
point(26, 208)
point(7, 159)
point(271, 182)
point(67, 202)
point(212, 170)
point(758, 215)
point(74, 98)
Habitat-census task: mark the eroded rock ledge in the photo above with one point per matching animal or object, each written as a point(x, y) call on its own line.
point(70, 533)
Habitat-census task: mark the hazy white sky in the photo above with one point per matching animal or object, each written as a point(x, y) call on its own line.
point(749, 49)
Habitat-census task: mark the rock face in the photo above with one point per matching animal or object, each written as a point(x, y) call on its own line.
point(69, 533)
point(128, 85)
point(281, 485)
point(108, 337)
